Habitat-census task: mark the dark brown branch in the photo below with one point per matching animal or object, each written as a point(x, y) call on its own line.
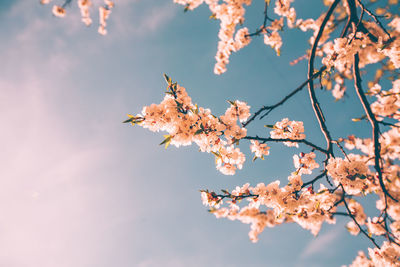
point(352, 10)
point(314, 180)
point(262, 29)
point(358, 225)
point(268, 109)
point(233, 197)
point(287, 140)
point(346, 27)
point(311, 91)
point(340, 213)
point(374, 123)
point(388, 124)
point(358, 25)
point(377, 21)
point(341, 149)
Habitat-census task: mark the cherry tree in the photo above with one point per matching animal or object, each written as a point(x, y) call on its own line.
point(350, 39)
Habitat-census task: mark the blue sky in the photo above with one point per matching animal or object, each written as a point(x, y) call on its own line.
point(79, 188)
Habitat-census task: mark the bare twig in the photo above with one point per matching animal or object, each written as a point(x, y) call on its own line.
point(268, 109)
point(263, 28)
point(388, 124)
point(341, 149)
point(377, 21)
point(358, 225)
point(314, 180)
point(287, 140)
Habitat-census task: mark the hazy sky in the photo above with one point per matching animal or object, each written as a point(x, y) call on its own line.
point(79, 188)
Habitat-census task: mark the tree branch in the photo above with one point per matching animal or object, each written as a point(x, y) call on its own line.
point(314, 180)
point(358, 225)
point(287, 140)
point(295, 91)
point(374, 123)
point(262, 29)
point(352, 9)
point(377, 21)
point(311, 91)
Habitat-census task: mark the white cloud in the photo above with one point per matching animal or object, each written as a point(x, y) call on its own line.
point(321, 243)
point(138, 21)
point(47, 186)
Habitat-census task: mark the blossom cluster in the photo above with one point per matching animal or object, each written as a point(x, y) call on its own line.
point(84, 7)
point(286, 129)
point(387, 255)
point(186, 123)
point(231, 13)
point(371, 170)
point(260, 150)
point(339, 53)
point(388, 102)
point(271, 205)
point(305, 163)
point(353, 174)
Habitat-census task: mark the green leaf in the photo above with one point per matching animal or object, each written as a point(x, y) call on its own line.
point(166, 141)
point(128, 120)
point(232, 103)
point(167, 79)
point(131, 119)
point(199, 131)
point(269, 126)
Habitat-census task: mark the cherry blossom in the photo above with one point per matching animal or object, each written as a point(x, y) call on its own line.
point(369, 169)
point(84, 7)
point(349, 42)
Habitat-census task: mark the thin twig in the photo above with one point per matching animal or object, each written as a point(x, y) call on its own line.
point(314, 180)
point(377, 21)
point(388, 124)
point(358, 225)
point(341, 149)
point(281, 102)
point(263, 28)
point(287, 140)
